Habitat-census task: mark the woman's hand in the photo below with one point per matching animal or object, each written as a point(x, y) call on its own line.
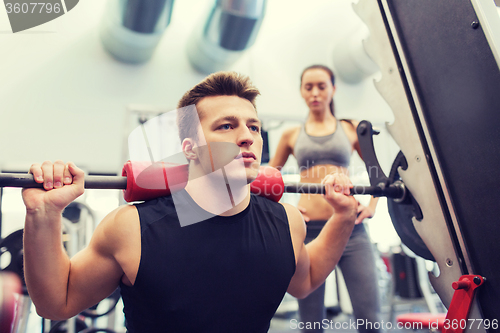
point(364, 212)
point(303, 211)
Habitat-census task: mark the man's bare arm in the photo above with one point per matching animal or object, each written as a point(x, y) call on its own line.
point(316, 260)
point(58, 286)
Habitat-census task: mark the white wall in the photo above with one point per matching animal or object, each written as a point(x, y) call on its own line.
point(63, 97)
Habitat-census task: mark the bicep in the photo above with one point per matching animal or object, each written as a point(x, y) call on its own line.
point(94, 272)
point(301, 278)
point(298, 231)
point(93, 277)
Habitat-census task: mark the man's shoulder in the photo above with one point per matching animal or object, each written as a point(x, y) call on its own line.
point(157, 206)
point(264, 202)
point(167, 210)
point(122, 217)
point(288, 211)
point(116, 230)
point(295, 219)
point(292, 212)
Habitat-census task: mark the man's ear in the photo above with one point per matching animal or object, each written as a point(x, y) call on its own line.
point(189, 149)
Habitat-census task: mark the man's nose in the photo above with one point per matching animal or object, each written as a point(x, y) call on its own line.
point(245, 137)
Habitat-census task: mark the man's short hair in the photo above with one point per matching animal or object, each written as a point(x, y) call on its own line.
point(216, 84)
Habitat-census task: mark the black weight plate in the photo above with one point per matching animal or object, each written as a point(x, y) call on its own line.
point(402, 214)
point(13, 244)
point(93, 313)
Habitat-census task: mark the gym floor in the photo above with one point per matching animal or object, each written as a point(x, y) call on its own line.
point(287, 322)
point(339, 318)
point(286, 319)
point(344, 323)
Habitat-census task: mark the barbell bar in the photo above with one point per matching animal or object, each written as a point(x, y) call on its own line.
point(268, 181)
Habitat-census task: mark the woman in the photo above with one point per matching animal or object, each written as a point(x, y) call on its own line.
point(324, 145)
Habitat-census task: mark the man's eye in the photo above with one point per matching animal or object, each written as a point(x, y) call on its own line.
point(225, 127)
point(255, 128)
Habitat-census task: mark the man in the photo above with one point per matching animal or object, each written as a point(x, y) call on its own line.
point(227, 273)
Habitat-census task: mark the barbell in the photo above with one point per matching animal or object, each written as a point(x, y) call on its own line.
point(145, 180)
point(142, 181)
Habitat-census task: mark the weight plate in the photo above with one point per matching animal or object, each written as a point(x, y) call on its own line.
point(402, 214)
point(13, 245)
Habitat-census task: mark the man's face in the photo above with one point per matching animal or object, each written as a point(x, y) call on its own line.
point(232, 120)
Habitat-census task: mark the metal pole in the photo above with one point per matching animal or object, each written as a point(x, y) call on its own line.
point(396, 190)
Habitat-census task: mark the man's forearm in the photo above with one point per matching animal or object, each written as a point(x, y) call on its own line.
point(46, 264)
point(325, 251)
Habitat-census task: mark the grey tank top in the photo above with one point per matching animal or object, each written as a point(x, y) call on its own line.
point(333, 149)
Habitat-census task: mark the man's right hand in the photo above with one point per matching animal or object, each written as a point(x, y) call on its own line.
point(62, 183)
point(61, 287)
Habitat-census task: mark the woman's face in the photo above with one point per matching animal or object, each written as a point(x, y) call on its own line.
point(317, 89)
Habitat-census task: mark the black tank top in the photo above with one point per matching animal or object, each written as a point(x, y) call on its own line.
point(225, 274)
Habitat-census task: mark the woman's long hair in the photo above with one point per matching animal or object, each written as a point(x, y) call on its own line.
point(332, 79)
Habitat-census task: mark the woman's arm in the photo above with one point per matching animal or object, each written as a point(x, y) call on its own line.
point(284, 149)
point(364, 212)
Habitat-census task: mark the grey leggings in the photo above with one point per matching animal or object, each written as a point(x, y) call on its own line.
point(358, 268)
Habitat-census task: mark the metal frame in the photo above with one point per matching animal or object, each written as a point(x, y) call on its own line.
point(489, 19)
point(440, 228)
point(417, 177)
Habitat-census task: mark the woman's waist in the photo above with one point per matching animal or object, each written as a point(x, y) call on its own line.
point(317, 208)
point(316, 173)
